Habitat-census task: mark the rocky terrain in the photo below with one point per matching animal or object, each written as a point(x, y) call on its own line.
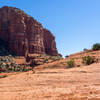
point(24, 34)
point(78, 57)
point(59, 83)
point(24, 43)
point(54, 80)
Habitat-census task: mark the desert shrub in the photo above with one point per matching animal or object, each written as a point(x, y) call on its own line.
point(6, 59)
point(17, 68)
point(85, 49)
point(87, 60)
point(66, 56)
point(27, 59)
point(12, 64)
point(10, 69)
point(33, 63)
point(0, 65)
point(3, 76)
point(71, 63)
point(96, 46)
point(3, 69)
point(25, 69)
point(57, 58)
point(46, 61)
point(7, 65)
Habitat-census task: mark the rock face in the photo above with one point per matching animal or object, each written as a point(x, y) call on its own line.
point(24, 34)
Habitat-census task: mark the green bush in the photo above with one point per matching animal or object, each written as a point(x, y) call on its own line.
point(3, 76)
point(57, 58)
point(96, 46)
point(87, 60)
point(46, 61)
point(66, 56)
point(8, 65)
point(71, 63)
point(85, 49)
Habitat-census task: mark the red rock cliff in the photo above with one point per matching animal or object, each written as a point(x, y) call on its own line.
point(24, 34)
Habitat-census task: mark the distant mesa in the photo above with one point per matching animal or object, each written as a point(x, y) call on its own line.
point(24, 34)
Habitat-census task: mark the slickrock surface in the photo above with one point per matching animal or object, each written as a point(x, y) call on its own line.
point(82, 83)
point(78, 57)
point(24, 34)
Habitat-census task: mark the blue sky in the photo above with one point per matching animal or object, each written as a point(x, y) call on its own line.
point(75, 23)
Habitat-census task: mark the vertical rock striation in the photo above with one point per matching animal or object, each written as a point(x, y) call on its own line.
point(24, 34)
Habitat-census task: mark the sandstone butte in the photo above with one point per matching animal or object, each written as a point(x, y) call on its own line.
point(24, 34)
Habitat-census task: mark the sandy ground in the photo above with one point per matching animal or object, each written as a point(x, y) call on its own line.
point(81, 83)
